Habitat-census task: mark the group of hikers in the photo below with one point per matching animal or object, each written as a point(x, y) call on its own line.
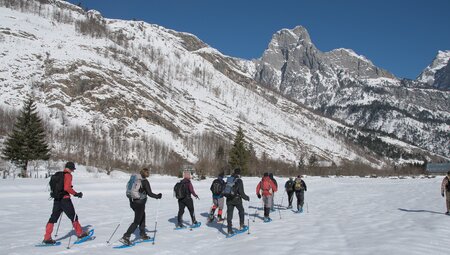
point(231, 189)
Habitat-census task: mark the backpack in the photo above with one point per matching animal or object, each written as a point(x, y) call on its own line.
point(265, 186)
point(290, 186)
point(133, 187)
point(217, 187)
point(56, 184)
point(298, 185)
point(230, 189)
point(180, 190)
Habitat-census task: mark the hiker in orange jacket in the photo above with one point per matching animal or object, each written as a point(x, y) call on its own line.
point(445, 189)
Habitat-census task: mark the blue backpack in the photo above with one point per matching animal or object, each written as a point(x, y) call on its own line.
point(230, 189)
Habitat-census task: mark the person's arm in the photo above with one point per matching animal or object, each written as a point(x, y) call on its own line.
point(191, 189)
point(258, 189)
point(274, 187)
point(68, 184)
point(304, 185)
point(241, 190)
point(148, 189)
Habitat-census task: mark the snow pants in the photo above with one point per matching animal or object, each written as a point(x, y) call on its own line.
point(183, 203)
point(138, 207)
point(447, 198)
point(231, 204)
point(300, 198)
point(290, 197)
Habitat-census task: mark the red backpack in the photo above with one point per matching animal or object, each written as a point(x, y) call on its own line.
point(265, 185)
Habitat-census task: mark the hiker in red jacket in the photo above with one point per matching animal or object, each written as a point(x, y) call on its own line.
point(63, 203)
point(266, 187)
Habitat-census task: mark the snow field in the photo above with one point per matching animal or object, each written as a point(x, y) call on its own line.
point(346, 216)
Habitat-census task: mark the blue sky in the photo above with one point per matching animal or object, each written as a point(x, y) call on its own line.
point(402, 36)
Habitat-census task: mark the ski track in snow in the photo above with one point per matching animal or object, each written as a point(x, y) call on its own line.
point(346, 216)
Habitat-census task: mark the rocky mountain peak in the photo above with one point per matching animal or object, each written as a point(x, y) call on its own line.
point(437, 74)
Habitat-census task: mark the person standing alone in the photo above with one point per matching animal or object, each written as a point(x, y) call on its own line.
point(445, 191)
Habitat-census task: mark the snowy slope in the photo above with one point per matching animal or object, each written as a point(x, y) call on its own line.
point(346, 216)
point(149, 81)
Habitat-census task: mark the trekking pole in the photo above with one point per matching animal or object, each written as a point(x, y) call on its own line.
point(114, 232)
point(156, 221)
point(256, 211)
point(73, 228)
point(59, 222)
point(248, 219)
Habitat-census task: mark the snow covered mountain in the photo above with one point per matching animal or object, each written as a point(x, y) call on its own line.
point(437, 74)
point(146, 93)
point(348, 87)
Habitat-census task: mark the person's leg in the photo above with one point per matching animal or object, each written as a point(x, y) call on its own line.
point(181, 207)
point(220, 202)
point(139, 210)
point(230, 209)
point(241, 214)
point(56, 212)
point(142, 222)
point(190, 206)
point(297, 194)
point(69, 210)
point(290, 197)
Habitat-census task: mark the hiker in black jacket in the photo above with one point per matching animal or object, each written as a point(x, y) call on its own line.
point(138, 206)
point(300, 188)
point(289, 186)
point(236, 201)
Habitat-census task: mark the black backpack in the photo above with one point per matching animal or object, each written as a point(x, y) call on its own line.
point(180, 190)
point(217, 187)
point(290, 186)
point(56, 184)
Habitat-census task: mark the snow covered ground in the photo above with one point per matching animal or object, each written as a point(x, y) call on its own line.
point(346, 216)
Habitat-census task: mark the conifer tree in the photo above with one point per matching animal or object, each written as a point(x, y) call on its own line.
point(27, 141)
point(239, 154)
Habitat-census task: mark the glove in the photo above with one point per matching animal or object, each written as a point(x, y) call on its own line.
point(259, 196)
point(442, 194)
point(159, 196)
point(196, 196)
point(78, 194)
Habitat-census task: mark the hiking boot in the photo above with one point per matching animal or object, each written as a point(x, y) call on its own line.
point(180, 225)
point(242, 227)
point(144, 236)
point(49, 241)
point(230, 231)
point(447, 213)
point(219, 218)
point(125, 240)
point(195, 223)
point(289, 207)
point(84, 234)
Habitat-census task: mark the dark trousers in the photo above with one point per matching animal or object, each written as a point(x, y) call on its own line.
point(300, 198)
point(290, 197)
point(138, 207)
point(230, 208)
point(64, 205)
point(182, 203)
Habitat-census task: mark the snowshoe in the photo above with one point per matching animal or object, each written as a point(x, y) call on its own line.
point(125, 240)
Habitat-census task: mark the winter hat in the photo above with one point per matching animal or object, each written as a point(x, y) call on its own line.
point(266, 174)
point(70, 165)
point(221, 175)
point(237, 171)
point(271, 175)
point(448, 172)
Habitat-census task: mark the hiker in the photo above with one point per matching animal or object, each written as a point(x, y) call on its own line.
point(217, 188)
point(445, 188)
point(138, 188)
point(300, 188)
point(289, 187)
point(63, 203)
point(186, 201)
point(234, 192)
point(266, 187)
point(273, 195)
